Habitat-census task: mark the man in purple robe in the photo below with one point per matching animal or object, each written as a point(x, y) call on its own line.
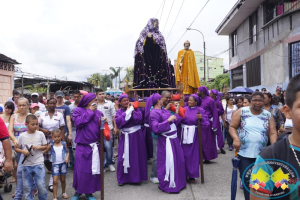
point(86, 179)
point(170, 158)
point(132, 159)
point(208, 104)
point(151, 66)
point(189, 136)
point(214, 94)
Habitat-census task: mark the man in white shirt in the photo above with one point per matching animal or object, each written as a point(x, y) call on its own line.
point(108, 110)
point(35, 99)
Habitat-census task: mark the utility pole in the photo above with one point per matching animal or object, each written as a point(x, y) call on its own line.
point(119, 75)
point(22, 86)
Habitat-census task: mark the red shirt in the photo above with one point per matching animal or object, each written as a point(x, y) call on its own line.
point(3, 130)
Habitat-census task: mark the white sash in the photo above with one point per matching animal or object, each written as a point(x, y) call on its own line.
point(95, 158)
point(187, 133)
point(127, 131)
point(170, 170)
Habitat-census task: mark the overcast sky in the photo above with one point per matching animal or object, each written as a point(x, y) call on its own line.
point(78, 38)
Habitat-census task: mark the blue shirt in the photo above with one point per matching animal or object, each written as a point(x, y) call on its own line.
point(254, 131)
point(65, 110)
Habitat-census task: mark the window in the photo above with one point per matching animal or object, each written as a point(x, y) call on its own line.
point(274, 8)
point(294, 59)
point(253, 27)
point(234, 43)
point(237, 76)
point(201, 68)
point(253, 72)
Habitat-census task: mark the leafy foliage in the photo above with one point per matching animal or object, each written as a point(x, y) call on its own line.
point(115, 73)
point(36, 88)
point(221, 81)
point(99, 80)
point(129, 75)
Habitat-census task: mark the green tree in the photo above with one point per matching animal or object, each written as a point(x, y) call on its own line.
point(129, 74)
point(106, 82)
point(221, 81)
point(95, 79)
point(115, 73)
point(36, 88)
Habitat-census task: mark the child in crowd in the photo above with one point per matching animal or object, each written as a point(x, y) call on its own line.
point(286, 150)
point(59, 159)
point(31, 144)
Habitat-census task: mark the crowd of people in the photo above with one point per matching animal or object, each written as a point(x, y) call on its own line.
point(60, 131)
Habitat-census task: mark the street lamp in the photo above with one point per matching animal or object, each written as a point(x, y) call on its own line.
point(203, 46)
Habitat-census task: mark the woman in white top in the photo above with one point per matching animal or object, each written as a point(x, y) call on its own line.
point(16, 128)
point(230, 108)
point(50, 121)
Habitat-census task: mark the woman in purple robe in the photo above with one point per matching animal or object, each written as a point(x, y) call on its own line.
point(86, 117)
point(151, 66)
point(132, 159)
point(189, 136)
point(214, 94)
point(170, 158)
point(208, 104)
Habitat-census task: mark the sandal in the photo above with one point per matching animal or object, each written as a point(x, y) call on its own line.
point(65, 196)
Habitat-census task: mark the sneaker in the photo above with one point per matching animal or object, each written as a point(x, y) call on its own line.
point(230, 148)
point(154, 180)
point(90, 197)
point(111, 168)
point(76, 196)
point(50, 188)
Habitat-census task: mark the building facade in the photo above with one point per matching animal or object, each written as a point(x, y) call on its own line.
point(7, 71)
point(264, 42)
point(214, 66)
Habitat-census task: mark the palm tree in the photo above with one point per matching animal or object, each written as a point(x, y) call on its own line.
point(115, 73)
point(106, 82)
point(95, 79)
point(129, 75)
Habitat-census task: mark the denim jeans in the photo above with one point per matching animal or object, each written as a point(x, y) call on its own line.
point(19, 188)
point(153, 169)
point(36, 172)
point(109, 149)
point(243, 165)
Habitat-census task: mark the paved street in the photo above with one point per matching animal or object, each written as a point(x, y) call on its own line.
point(216, 186)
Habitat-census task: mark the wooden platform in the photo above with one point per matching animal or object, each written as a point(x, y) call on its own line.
point(132, 93)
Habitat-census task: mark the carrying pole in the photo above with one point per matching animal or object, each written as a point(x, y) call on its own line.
point(200, 150)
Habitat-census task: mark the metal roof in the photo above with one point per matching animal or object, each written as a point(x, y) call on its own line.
point(5, 59)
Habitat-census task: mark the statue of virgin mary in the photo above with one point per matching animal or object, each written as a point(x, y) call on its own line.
point(151, 66)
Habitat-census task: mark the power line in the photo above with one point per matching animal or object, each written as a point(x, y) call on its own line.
point(175, 20)
point(162, 10)
point(159, 9)
point(189, 26)
point(169, 15)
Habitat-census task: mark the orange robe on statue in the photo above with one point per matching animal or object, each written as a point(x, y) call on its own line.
point(189, 74)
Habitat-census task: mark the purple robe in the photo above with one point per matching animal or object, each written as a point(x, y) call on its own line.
point(220, 138)
point(87, 132)
point(148, 136)
point(159, 124)
point(208, 104)
point(137, 172)
point(191, 151)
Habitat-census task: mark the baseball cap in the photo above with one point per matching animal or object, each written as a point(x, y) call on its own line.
point(34, 105)
point(1, 109)
point(279, 88)
point(59, 93)
point(35, 94)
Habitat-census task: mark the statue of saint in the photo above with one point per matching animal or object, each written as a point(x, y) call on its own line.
point(151, 66)
point(186, 70)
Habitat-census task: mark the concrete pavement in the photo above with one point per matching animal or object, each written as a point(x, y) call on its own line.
point(217, 180)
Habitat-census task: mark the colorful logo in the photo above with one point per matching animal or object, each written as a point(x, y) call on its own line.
point(270, 179)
